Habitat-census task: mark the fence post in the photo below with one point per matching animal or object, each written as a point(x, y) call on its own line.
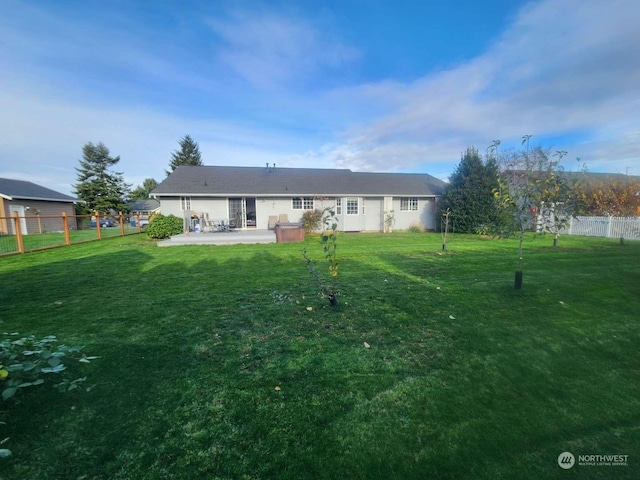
point(97, 215)
point(609, 226)
point(121, 224)
point(65, 228)
point(570, 225)
point(16, 228)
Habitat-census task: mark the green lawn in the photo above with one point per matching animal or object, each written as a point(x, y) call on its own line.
point(464, 378)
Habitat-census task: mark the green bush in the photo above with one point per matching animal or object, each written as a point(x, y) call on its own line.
point(311, 220)
point(163, 226)
point(26, 361)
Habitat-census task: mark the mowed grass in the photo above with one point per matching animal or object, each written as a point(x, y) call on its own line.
point(464, 378)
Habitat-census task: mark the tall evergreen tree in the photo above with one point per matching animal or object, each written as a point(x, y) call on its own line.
point(101, 189)
point(189, 154)
point(469, 194)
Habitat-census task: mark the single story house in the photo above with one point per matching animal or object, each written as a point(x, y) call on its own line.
point(39, 208)
point(251, 197)
point(143, 209)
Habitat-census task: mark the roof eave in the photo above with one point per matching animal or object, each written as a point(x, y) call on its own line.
point(44, 199)
point(293, 194)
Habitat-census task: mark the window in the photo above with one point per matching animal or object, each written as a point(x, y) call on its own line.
point(352, 206)
point(338, 206)
point(185, 203)
point(302, 203)
point(408, 203)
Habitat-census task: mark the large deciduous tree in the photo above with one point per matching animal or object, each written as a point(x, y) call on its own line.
point(469, 195)
point(188, 154)
point(101, 189)
point(141, 192)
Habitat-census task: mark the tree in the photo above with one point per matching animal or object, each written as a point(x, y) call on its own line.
point(529, 180)
point(100, 188)
point(558, 197)
point(615, 196)
point(189, 154)
point(141, 192)
point(468, 197)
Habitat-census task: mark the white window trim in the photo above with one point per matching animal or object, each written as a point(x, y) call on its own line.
point(306, 203)
point(357, 209)
point(411, 204)
point(185, 203)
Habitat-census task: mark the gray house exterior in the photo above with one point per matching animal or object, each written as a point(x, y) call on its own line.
point(39, 208)
point(250, 197)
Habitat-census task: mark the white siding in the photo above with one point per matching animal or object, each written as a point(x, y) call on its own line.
point(424, 216)
point(372, 220)
point(217, 208)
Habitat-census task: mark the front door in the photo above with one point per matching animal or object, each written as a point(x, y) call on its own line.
point(23, 221)
point(353, 214)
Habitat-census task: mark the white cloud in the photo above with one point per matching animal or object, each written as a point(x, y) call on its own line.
point(563, 66)
point(269, 89)
point(55, 130)
point(271, 50)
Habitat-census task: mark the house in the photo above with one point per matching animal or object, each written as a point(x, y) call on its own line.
point(39, 208)
point(251, 197)
point(143, 209)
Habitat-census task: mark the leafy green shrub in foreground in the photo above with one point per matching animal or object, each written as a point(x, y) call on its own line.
point(163, 226)
point(26, 361)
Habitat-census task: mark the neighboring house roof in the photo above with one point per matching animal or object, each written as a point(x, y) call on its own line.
point(249, 181)
point(148, 205)
point(598, 176)
point(23, 190)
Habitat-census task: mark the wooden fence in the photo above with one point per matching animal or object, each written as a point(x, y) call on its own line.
point(20, 234)
point(612, 227)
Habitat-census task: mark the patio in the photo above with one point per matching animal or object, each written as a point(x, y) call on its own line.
point(232, 237)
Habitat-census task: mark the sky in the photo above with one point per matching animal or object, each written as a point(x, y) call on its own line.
point(369, 85)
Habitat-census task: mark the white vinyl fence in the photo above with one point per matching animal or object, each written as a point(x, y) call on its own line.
point(615, 227)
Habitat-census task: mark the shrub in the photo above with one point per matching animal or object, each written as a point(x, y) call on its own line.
point(163, 226)
point(416, 228)
point(26, 361)
point(311, 220)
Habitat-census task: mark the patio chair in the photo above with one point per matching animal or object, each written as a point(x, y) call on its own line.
point(273, 219)
point(284, 218)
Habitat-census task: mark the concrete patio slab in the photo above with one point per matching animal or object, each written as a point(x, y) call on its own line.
point(221, 238)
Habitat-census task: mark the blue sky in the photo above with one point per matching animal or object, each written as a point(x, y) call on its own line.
point(363, 84)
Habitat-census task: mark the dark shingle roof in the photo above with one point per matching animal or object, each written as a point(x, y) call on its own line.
point(249, 181)
point(20, 189)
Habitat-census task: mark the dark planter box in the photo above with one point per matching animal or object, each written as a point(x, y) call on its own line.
point(289, 233)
